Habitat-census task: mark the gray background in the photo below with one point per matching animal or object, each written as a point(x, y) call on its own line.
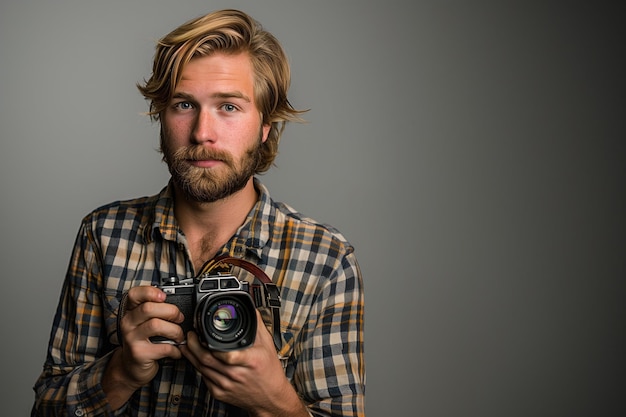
point(473, 152)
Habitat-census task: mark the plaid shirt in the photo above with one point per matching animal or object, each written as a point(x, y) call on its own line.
point(138, 242)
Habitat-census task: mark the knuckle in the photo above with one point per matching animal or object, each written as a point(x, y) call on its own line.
point(154, 325)
point(231, 358)
point(147, 309)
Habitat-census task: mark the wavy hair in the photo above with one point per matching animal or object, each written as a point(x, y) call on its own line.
point(229, 31)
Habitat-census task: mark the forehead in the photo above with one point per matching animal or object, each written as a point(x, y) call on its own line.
point(216, 72)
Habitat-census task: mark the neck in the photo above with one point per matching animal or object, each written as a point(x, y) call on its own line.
point(209, 226)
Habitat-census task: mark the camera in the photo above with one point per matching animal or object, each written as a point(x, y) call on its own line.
point(220, 308)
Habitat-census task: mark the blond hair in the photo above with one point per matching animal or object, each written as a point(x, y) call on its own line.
point(229, 31)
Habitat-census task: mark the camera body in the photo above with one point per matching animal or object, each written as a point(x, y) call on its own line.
point(220, 308)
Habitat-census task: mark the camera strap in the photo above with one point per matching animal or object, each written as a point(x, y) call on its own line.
point(266, 294)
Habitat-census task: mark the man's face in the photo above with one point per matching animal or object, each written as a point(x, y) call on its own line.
point(212, 130)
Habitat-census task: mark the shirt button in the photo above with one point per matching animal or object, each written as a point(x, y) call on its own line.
point(175, 399)
point(79, 412)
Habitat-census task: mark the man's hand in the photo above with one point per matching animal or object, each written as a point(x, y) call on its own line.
point(135, 363)
point(250, 378)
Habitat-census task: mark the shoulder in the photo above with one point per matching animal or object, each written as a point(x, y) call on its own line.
point(311, 238)
point(305, 223)
point(130, 214)
point(281, 227)
point(308, 258)
point(121, 210)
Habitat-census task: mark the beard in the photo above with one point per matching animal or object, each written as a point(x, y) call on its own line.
point(207, 185)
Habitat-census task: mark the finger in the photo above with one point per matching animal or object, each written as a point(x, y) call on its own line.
point(197, 352)
point(142, 294)
point(200, 357)
point(162, 329)
point(150, 318)
point(214, 372)
point(147, 352)
point(262, 332)
point(164, 311)
point(145, 302)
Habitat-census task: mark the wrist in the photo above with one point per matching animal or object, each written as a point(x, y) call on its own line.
point(288, 405)
point(117, 387)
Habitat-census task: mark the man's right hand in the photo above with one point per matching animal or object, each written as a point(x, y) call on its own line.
point(135, 363)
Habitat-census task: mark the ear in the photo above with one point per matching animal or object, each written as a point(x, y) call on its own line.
point(266, 131)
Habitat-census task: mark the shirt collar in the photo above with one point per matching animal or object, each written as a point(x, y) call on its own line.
point(256, 229)
point(250, 238)
point(162, 221)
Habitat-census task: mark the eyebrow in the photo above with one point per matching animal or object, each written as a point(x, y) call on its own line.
point(220, 95)
point(232, 94)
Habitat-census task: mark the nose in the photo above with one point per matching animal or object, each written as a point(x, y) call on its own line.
point(204, 128)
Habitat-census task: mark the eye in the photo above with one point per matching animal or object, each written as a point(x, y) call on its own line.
point(183, 105)
point(229, 108)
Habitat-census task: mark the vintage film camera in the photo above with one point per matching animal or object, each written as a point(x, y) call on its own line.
point(220, 308)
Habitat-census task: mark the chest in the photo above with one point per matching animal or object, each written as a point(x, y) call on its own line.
point(204, 248)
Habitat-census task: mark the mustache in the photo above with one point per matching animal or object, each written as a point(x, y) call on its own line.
point(201, 153)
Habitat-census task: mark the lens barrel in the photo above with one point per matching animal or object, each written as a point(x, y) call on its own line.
point(226, 320)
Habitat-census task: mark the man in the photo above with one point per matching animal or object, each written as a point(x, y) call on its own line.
point(219, 90)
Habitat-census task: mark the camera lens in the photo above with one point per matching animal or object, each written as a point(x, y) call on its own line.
point(225, 317)
point(226, 321)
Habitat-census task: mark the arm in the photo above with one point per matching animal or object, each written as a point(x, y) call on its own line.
point(85, 370)
point(77, 353)
point(330, 369)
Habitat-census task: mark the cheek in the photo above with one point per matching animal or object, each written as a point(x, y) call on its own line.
point(175, 130)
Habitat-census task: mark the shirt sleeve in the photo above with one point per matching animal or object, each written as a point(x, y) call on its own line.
point(70, 383)
point(330, 374)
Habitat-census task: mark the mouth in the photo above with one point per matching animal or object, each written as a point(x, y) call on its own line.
point(204, 163)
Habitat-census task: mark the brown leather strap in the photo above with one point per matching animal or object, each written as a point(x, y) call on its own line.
point(120, 313)
point(220, 261)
